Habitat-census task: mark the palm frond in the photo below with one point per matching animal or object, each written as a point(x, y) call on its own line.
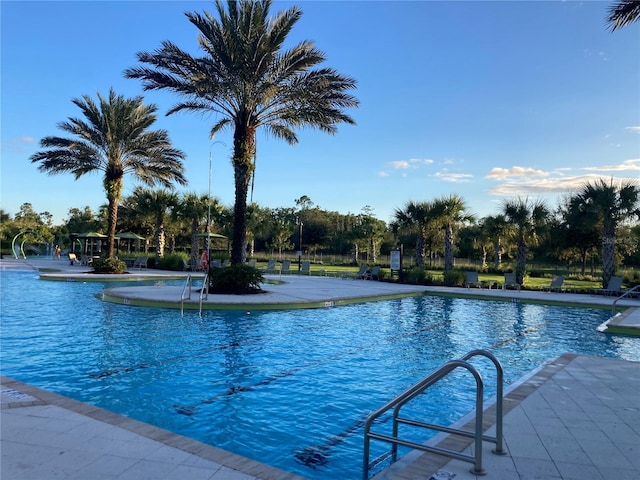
point(623, 13)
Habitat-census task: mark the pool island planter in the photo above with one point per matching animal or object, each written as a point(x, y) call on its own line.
point(148, 297)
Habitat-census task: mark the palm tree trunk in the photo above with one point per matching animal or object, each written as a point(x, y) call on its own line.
point(497, 253)
point(448, 248)
point(608, 257)
point(521, 262)
point(243, 150)
point(483, 257)
point(372, 248)
point(114, 190)
point(160, 239)
point(420, 244)
point(195, 226)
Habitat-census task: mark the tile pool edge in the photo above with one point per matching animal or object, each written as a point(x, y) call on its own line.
point(223, 457)
point(520, 299)
point(112, 296)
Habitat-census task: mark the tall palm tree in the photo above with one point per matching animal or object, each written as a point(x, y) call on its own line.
point(156, 204)
point(623, 13)
point(113, 138)
point(249, 80)
point(528, 221)
point(451, 212)
point(417, 217)
point(611, 204)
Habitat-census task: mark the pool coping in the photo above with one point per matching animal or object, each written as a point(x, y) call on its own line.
point(223, 457)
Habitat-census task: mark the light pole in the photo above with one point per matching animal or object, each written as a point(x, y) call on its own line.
point(209, 205)
point(300, 224)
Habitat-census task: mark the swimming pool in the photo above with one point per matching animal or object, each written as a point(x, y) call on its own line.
point(288, 388)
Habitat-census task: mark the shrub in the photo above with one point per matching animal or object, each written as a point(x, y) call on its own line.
point(174, 261)
point(237, 279)
point(418, 276)
point(454, 278)
point(108, 265)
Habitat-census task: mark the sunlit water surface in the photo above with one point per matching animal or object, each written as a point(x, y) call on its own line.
point(287, 388)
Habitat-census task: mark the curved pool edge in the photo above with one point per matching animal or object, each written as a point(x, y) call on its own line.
point(148, 297)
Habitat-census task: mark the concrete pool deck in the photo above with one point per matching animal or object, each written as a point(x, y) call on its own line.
point(576, 417)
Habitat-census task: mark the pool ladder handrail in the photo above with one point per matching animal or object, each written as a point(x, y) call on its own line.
point(204, 292)
point(417, 389)
point(627, 292)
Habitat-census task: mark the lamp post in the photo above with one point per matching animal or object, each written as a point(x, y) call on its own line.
point(300, 224)
point(209, 205)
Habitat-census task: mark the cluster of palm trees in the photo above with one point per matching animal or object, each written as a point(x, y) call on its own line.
point(247, 77)
point(598, 205)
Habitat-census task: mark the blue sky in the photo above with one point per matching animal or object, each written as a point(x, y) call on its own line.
point(484, 99)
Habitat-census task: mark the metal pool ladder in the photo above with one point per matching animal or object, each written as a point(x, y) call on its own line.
point(397, 403)
point(204, 292)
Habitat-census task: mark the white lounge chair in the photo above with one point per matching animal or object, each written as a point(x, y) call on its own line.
point(73, 260)
point(306, 268)
point(373, 274)
point(141, 262)
point(271, 267)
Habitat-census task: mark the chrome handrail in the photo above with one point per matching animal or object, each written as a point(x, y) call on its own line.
point(419, 388)
point(187, 287)
point(204, 291)
point(613, 305)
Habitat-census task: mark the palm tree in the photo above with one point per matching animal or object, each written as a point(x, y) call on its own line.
point(528, 221)
point(249, 80)
point(156, 204)
point(623, 13)
point(450, 211)
point(114, 138)
point(495, 227)
point(611, 204)
point(194, 209)
point(417, 217)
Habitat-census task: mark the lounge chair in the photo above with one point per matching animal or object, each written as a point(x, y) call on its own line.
point(141, 262)
point(473, 281)
point(85, 260)
point(373, 274)
point(556, 284)
point(510, 281)
point(226, 262)
point(306, 268)
point(251, 262)
point(614, 287)
point(286, 267)
point(73, 260)
point(215, 263)
point(271, 267)
point(361, 274)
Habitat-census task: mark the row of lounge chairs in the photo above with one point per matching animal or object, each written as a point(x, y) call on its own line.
point(556, 285)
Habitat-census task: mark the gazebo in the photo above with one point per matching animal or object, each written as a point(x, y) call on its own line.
point(91, 243)
point(129, 237)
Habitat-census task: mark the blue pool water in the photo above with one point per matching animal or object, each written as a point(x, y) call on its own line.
point(287, 388)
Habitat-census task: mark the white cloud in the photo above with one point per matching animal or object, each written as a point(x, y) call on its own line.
point(27, 140)
point(515, 171)
point(382, 173)
point(411, 163)
point(633, 129)
point(454, 177)
point(528, 185)
point(627, 165)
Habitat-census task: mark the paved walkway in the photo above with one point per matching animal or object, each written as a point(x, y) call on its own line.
point(576, 418)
